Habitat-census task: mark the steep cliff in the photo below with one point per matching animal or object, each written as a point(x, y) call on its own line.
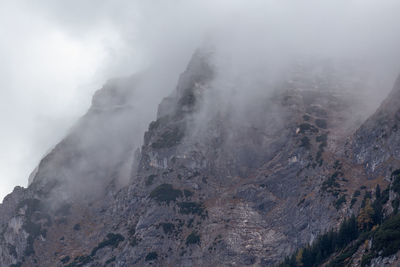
point(216, 181)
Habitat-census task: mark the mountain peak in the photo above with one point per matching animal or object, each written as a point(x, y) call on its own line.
point(214, 182)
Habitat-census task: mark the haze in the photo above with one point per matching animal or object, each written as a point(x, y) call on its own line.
point(55, 54)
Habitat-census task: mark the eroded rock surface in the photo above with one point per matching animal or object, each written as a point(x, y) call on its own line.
point(213, 184)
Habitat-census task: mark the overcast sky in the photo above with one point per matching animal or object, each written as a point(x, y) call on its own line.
point(49, 70)
point(55, 53)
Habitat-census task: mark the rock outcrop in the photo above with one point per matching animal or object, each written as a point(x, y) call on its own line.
point(214, 183)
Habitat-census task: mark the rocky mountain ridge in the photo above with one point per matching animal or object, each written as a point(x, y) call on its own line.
point(214, 183)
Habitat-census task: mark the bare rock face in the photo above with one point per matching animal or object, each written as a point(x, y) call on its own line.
point(95, 158)
point(376, 144)
point(215, 183)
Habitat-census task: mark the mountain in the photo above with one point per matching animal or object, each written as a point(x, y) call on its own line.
point(222, 177)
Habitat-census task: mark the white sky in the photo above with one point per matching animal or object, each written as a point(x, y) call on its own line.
point(47, 78)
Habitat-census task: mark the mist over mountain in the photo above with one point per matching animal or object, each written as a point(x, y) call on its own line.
point(258, 133)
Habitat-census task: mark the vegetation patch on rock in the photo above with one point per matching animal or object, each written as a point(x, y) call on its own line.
point(151, 256)
point(191, 208)
point(193, 238)
point(169, 138)
point(111, 240)
point(165, 193)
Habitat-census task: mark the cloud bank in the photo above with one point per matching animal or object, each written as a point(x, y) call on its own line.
point(55, 54)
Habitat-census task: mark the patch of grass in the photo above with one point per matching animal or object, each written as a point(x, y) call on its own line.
point(165, 193)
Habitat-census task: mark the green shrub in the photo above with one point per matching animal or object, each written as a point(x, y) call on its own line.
point(323, 138)
point(305, 142)
point(134, 242)
point(337, 165)
point(339, 202)
point(111, 240)
point(165, 193)
point(321, 123)
point(151, 256)
point(169, 138)
point(80, 261)
point(187, 193)
point(353, 201)
point(168, 227)
point(396, 181)
point(395, 205)
point(306, 127)
point(385, 196)
point(331, 182)
point(366, 259)
point(324, 246)
point(387, 237)
point(65, 259)
point(193, 238)
point(191, 208)
point(150, 179)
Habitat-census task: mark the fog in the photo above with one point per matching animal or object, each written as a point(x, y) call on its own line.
point(56, 54)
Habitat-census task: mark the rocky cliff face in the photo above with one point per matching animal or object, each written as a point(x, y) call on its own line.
point(215, 183)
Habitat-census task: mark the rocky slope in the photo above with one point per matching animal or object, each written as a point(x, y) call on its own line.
point(215, 182)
